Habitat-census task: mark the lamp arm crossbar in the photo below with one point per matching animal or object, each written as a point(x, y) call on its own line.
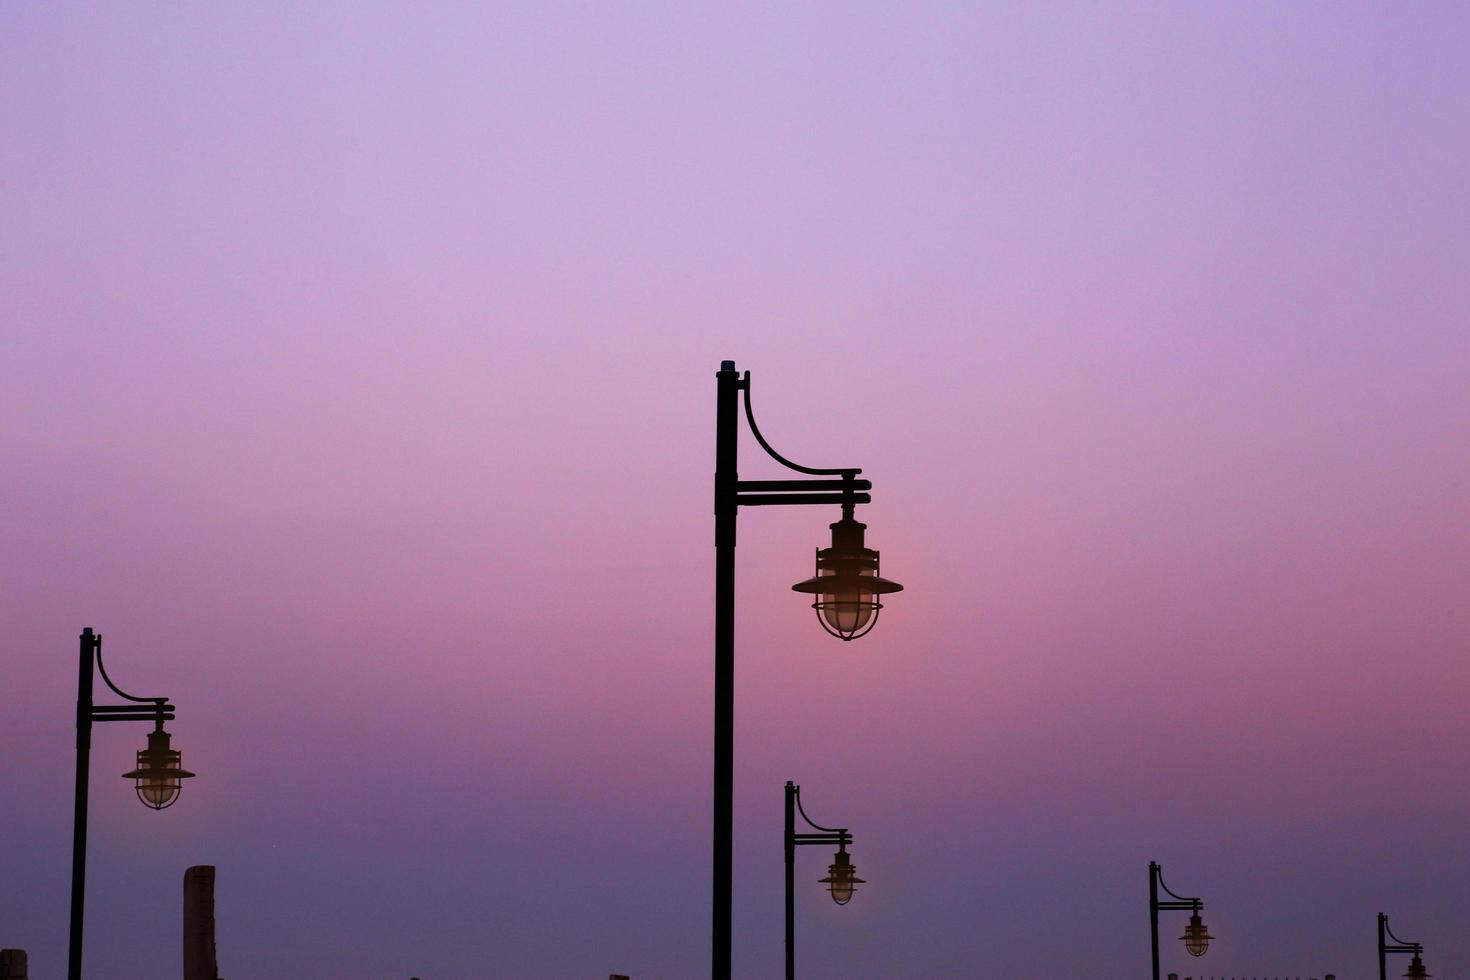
point(755, 431)
point(810, 822)
point(153, 716)
point(786, 499)
point(115, 689)
point(1178, 906)
point(801, 486)
point(159, 704)
point(839, 838)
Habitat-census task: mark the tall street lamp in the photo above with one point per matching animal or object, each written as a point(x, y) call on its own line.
point(846, 590)
point(1196, 937)
point(841, 880)
point(156, 778)
point(1416, 965)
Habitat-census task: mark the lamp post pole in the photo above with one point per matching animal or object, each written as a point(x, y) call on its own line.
point(88, 645)
point(846, 587)
point(157, 774)
point(789, 839)
point(727, 436)
point(1153, 912)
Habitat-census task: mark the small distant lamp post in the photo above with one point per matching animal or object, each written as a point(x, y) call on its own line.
point(156, 778)
point(1416, 965)
point(841, 880)
point(1196, 937)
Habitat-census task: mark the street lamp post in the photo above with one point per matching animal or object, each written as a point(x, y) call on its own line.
point(1416, 969)
point(1196, 937)
point(841, 880)
point(846, 589)
point(156, 777)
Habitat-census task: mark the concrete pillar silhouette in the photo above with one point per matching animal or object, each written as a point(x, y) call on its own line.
point(199, 959)
point(13, 964)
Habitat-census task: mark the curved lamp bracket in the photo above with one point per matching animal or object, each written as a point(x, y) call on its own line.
point(813, 824)
point(1417, 946)
point(117, 690)
point(755, 431)
point(1197, 902)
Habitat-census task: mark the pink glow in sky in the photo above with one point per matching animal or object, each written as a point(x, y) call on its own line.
point(357, 364)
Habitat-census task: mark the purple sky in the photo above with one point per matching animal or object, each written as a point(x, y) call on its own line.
point(358, 368)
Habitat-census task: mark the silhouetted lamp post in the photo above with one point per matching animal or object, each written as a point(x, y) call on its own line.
point(846, 588)
point(841, 880)
point(156, 777)
point(1196, 937)
point(1416, 965)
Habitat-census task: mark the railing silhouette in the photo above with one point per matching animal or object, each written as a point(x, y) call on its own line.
point(1257, 976)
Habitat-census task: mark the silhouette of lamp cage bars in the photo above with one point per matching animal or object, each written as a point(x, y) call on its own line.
point(847, 584)
point(157, 777)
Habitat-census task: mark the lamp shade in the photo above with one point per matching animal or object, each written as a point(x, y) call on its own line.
point(847, 584)
point(1196, 937)
point(1416, 969)
point(158, 775)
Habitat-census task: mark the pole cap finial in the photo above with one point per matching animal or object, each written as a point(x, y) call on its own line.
point(727, 365)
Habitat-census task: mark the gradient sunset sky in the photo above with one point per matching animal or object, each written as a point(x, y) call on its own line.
point(357, 368)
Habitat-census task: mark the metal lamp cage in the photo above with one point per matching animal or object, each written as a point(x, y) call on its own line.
point(1196, 937)
point(842, 879)
point(158, 775)
point(847, 584)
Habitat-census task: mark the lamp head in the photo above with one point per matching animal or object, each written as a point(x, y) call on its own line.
point(157, 777)
point(847, 585)
point(1196, 937)
point(842, 879)
point(1416, 969)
